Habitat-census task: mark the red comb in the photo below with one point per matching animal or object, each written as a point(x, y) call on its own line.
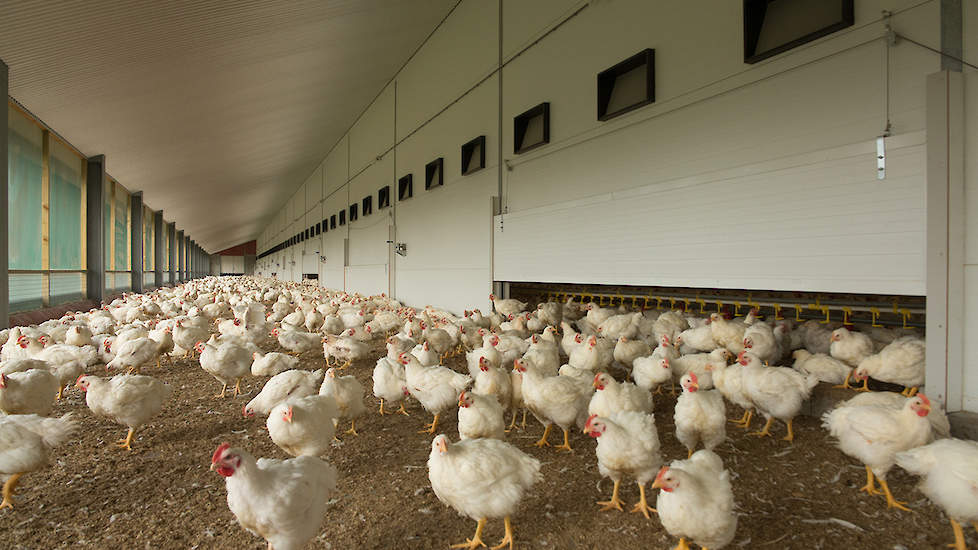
point(220, 451)
point(924, 398)
point(692, 377)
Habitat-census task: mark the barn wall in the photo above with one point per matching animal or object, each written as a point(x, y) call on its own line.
point(970, 308)
point(738, 176)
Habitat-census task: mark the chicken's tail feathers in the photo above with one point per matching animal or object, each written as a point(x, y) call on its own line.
point(916, 461)
point(55, 431)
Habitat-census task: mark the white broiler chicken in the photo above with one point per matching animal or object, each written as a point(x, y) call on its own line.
point(426, 355)
point(874, 435)
point(902, 361)
point(850, 347)
point(728, 334)
point(303, 425)
point(699, 339)
point(628, 444)
point(282, 386)
point(776, 392)
point(67, 362)
point(729, 381)
point(272, 363)
point(616, 326)
point(78, 336)
point(627, 350)
point(495, 382)
point(824, 367)
point(29, 392)
point(390, 384)
point(651, 372)
point(295, 341)
point(669, 325)
point(282, 501)
point(26, 442)
point(489, 352)
point(697, 363)
point(226, 363)
point(483, 479)
point(348, 394)
point(507, 307)
point(344, 348)
point(186, 334)
point(560, 400)
point(696, 501)
point(135, 353)
point(940, 424)
point(480, 416)
point(759, 338)
point(950, 479)
point(436, 388)
point(700, 416)
point(127, 399)
point(611, 396)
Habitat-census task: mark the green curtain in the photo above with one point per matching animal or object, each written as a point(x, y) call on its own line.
point(107, 229)
point(65, 221)
point(122, 244)
point(24, 160)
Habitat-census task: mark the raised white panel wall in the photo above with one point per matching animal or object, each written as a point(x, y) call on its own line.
point(367, 269)
point(970, 344)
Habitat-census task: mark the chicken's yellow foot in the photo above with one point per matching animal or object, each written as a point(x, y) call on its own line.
point(508, 538)
point(615, 502)
point(346, 364)
point(870, 487)
point(8, 491)
point(381, 407)
point(845, 384)
point(767, 429)
point(402, 410)
point(890, 501)
point(682, 545)
point(566, 446)
point(865, 385)
point(127, 442)
point(542, 442)
point(958, 537)
point(744, 420)
point(353, 428)
point(642, 506)
point(224, 390)
point(791, 432)
point(689, 453)
point(430, 428)
point(512, 425)
point(476, 540)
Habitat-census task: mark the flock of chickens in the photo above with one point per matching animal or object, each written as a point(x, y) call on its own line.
point(598, 374)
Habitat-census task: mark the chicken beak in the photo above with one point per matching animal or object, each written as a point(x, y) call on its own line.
point(657, 484)
point(213, 466)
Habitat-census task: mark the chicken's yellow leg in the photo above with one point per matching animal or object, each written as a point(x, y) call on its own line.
point(512, 425)
point(767, 429)
point(870, 486)
point(402, 410)
point(381, 407)
point(430, 428)
point(890, 501)
point(237, 387)
point(642, 505)
point(523, 422)
point(865, 385)
point(224, 390)
point(61, 391)
point(958, 536)
point(127, 442)
point(8, 491)
point(791, 433)
point(566, 446)
point(682, 545)
point(542, 442)
point(615, 502)
point(476, 540)
point(508, 538)
point(353, 427)
point(846, 383)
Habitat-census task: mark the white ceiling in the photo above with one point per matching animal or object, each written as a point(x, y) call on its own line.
point(216, 110)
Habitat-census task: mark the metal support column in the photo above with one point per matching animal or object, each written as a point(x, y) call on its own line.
point(186, 257)
point(158, 249)
point(181, 258)
point(4, 258)
point(171, 237)
point(136, 234)
point(95, 228)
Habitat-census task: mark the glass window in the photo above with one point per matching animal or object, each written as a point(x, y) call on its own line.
point(66, 192)
point(24, 164)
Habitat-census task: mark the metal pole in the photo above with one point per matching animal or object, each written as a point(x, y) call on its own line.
point(158, 248)
point(4, 251)
point(136, 240)
point(95, 228)
point(172, 277)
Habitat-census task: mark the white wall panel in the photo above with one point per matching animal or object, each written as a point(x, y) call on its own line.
point(821, 224)
point(367, 270)
point(314, 188)
point(373, 134)
point(970, 386)
point(337, 165)
point(455, 58)
point(335, 239)
point(447, 229)
point(524, 22)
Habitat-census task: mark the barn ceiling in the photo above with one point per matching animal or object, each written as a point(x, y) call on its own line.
point(216, 110)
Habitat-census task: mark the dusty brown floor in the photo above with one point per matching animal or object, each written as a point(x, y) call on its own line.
point(801, 495)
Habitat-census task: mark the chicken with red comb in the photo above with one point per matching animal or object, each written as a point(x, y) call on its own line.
point(628, 444)
point(696, 501)
point(700, 415)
